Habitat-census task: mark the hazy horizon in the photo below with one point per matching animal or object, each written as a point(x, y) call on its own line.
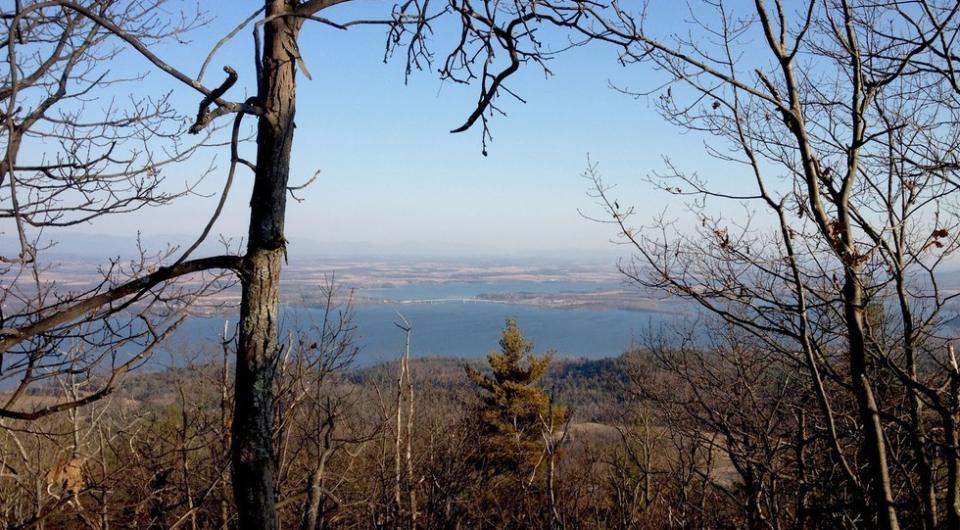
point(392, 176)
point(99, 246)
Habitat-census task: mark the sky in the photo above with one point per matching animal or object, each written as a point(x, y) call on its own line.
point(393, 180)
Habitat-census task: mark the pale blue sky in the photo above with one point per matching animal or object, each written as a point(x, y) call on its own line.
point(394, 178)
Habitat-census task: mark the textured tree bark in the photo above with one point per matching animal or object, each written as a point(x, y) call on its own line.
point(311, 506)
point(918, 436)
point(252, 451)
point(874, 447)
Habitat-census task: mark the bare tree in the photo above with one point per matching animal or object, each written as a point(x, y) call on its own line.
point(100, 157)
point(730, 399)
point(846, 138)
point(495, 40)
point(404, 432)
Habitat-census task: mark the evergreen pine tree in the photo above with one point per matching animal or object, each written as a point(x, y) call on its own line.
point(514, 411)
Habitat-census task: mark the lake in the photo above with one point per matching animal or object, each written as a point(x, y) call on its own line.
point(467, 327)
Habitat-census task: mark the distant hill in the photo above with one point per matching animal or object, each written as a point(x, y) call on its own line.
point(592, 388)
point(96, 247)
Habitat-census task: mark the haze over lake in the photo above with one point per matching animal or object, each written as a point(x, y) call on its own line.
point(450, 320)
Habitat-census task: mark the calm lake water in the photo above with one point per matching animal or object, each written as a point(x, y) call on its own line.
point(466, 328)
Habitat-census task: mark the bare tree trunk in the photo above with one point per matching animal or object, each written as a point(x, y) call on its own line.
point(397, 489)
point(953, 445)
point(854, 303)
point(225, 420)
point(224, 430)
point(253, 459)
point(555, 520)
point(311, 506)
point(316, 495)
point(802, 492)
point(927, 480)
point(184, 458)
point(874, 448)
point(411, 483)
point(402, 380)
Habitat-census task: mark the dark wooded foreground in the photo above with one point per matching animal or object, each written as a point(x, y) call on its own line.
point(505, 454)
